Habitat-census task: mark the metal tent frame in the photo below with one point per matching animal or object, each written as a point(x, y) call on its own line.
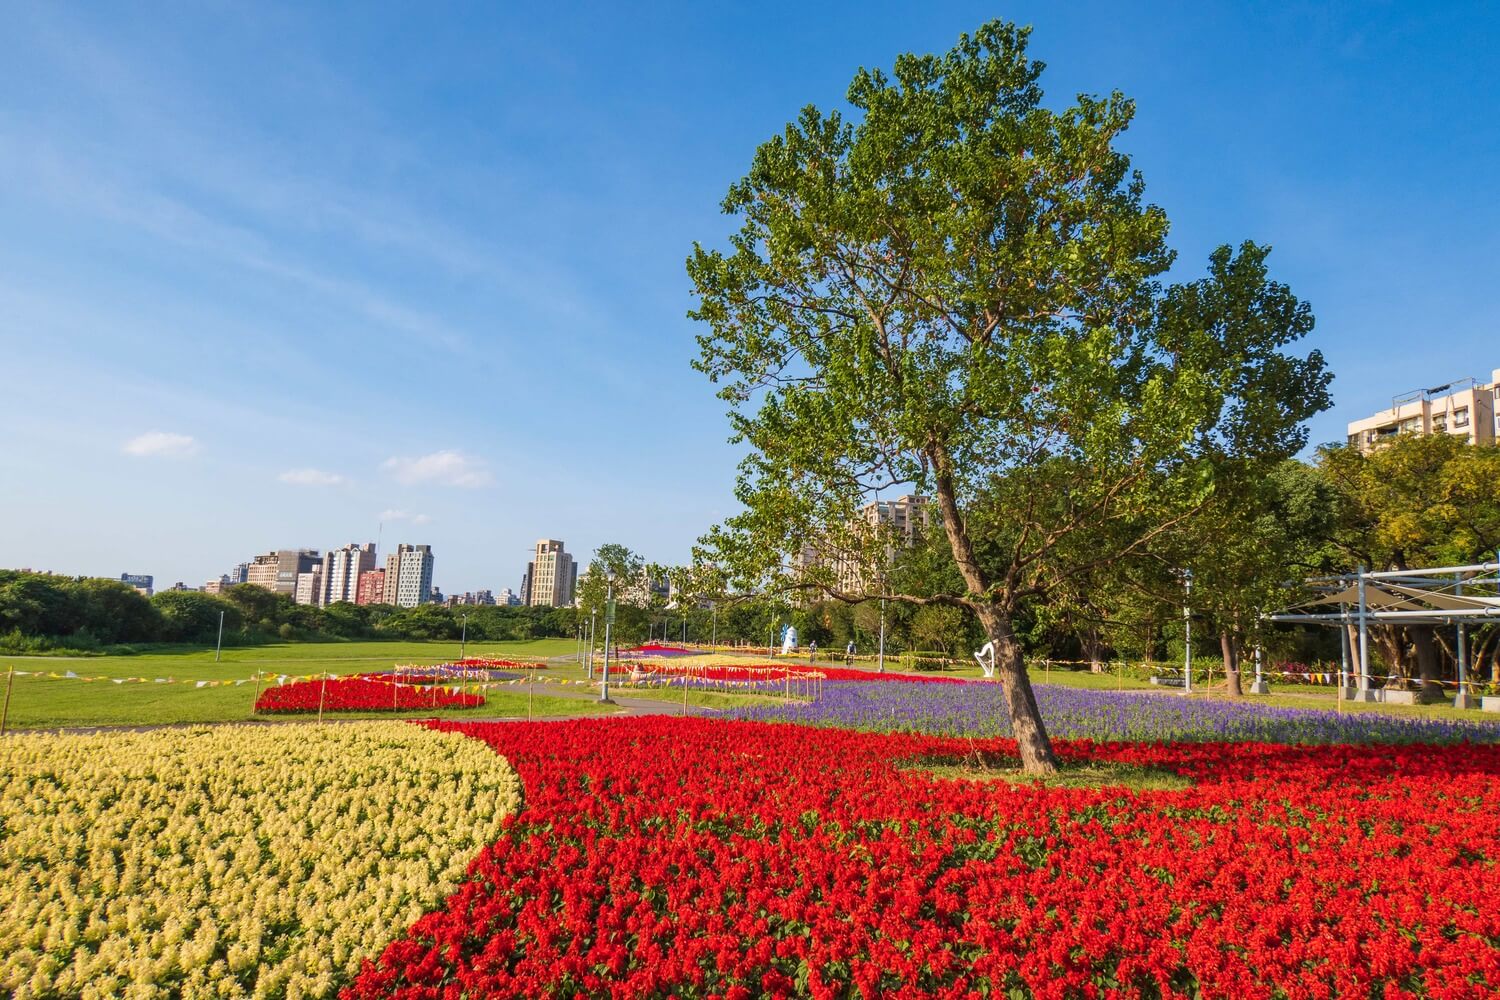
point(1456, 596)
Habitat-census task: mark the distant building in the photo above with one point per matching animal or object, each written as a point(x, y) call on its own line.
point(371, 589)
point(644, 591)
point(240, 574)
point(507, 598)
point(1467, 408)
point(903, 519)
point(278, 571)
point(550, 576)
point(180, 587)
point(476, 597)
point(341, 571)
point(309, 587)
point(408, 576)
point(143, 582)
point(217, 586)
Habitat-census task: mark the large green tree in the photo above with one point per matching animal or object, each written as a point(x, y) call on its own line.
point(1417, 501)
point(958, 289)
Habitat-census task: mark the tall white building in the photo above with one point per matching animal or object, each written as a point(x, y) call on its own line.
point(309, 586)
point(551, 575)
point(341, 569)
point(408, 575)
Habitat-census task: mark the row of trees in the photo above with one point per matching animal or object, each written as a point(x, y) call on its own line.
point(44, 611)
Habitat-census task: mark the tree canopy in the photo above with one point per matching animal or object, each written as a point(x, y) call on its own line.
point(960, 290)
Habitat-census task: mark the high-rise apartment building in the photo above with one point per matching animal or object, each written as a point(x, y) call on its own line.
point(309, 588)
point(408, 576)
point(341, 570)
point(1467, 408)
point(901, 519)
point(240, 574)
point(507, 598)
point(278, 571)
point(371, 587)
point(551, 576)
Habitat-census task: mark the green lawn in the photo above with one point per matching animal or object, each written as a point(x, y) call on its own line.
point(43, 702)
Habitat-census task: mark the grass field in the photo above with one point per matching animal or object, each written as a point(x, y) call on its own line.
point(47, 703)
point(44, 702)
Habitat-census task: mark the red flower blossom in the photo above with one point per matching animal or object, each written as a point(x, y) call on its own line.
point(671, 857)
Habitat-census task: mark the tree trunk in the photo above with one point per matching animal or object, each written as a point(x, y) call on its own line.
point(1353, 679)
point(1032, 742)
point(1427, 658)
point(1230, 647)
point(1093, 648)
point(1037, 755)
point(1388, 639)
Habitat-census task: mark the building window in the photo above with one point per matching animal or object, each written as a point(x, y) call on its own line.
point(1461, 417)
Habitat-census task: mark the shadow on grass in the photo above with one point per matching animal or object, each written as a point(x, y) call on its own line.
point(988, 766)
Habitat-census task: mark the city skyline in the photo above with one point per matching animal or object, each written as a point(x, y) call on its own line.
point(290, 312)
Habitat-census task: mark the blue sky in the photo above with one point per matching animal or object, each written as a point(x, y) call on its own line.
point(272, 276)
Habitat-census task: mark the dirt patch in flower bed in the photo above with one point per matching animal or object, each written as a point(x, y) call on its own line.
point(979, 765)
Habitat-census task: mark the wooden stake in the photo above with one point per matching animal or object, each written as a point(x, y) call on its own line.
point(530, 691)
point(257, 693)
point(322, 690)
point(10, 678)
point(684, 693)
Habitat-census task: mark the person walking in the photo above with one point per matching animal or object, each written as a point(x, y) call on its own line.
point(812, 651)
point(849, 653)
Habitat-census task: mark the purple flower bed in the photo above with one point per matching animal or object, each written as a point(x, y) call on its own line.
point(1075, 713)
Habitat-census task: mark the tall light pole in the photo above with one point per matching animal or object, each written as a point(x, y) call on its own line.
point(463, 642)
point(609, 620)
point(591, 643)
point(715, 640)
point(219, 646)
point(1187, 627)
point(880, 668)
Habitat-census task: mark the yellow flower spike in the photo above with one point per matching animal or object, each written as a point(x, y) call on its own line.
point(171, 852)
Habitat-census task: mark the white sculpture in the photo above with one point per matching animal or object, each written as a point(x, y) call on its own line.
point(788, 641)
point(988, 650)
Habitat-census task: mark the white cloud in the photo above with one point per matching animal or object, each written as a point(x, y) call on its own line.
point(445, 468)
point(311, 477)
point(401, 515)
point(161, 444)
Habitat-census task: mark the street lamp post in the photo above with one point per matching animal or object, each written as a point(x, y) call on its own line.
point(609, 618)
point(463, 642)
point(880, 668)
point(715, 640)
point(1187, 628)
point(591, 643)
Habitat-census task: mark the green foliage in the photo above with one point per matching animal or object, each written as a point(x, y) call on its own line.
point(189, 616)
point(960, 290)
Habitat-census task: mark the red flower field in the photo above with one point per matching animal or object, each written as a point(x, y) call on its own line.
point(777, 671)
point(359, 694)
point(691, 857)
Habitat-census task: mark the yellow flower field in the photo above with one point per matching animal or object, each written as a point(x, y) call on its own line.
point(230, 862)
